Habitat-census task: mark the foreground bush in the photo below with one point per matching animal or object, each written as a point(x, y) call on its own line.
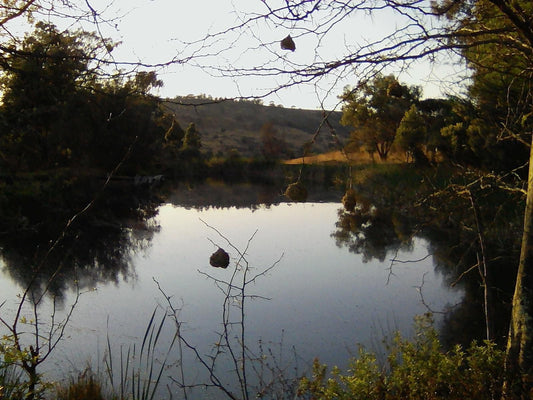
point(415, 369)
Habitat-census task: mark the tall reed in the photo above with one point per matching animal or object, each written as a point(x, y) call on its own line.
point(139, 372)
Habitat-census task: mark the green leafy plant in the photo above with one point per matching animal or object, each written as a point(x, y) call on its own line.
point(415, 369)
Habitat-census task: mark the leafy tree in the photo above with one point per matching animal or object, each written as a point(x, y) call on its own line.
point(411, 133)
point(43, 84)
point(174, 133)
point(125, 121)
point(57, 111)
point(375, 109)
point(501, 64)
point(437, 114)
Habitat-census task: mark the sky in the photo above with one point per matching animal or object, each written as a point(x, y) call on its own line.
point(154, 31)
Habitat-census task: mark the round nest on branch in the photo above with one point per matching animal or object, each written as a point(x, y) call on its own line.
point(349, 201)
point(219, 259)
point(288, 44)
point(296, 192)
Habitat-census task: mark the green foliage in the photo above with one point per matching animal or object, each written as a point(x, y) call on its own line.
point(374, 109)
point(416, 369)
point(181, 156)
point(123, 122)
point(60, 110)
point(498, 54)
point(411, 132)
point(11, 383)
point(41, 83)
point(472, 137)
point(18, 376)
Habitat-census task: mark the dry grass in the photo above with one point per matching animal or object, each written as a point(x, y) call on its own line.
point(353, 158)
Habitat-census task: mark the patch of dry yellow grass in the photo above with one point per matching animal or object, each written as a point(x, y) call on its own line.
point(353, 158)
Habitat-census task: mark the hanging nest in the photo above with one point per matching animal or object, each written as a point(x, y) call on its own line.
point(288, 44)
point(349, 201)
point(219, 259)
point(296, 192)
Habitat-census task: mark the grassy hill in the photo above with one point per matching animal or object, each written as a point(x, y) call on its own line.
point(236, 125)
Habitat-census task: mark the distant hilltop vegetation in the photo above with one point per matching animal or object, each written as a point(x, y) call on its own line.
point(232, 126)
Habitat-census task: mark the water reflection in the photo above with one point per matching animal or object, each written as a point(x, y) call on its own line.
point(323, 299)
point(379, 229)
point(67, 234)
point(372, 232)
point(101, 245)
point(217, 194)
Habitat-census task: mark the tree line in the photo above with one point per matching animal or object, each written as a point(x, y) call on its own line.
point(60, 110)
point(384, 113)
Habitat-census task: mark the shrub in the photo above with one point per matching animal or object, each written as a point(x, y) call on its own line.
point(415, 369)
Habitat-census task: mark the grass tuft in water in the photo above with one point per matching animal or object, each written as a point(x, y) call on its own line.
point(85, 387)
point(139, 371)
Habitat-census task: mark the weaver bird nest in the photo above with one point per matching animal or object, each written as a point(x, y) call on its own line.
point(219, 259)
point(288, 44)
point(349, 201)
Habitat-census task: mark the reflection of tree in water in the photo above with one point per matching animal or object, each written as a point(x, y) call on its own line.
point(371, 232)
point(98, 245)
point(454, 243)
point(218, 195)
point(447, 223)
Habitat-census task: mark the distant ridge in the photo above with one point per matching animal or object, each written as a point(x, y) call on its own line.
point(229, 125)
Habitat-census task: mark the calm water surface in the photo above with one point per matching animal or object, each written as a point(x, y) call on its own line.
point(319, 298)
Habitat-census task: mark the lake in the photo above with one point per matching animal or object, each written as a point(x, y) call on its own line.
point(313, 297)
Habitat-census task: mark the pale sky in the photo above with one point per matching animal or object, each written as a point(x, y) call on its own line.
point(153, 31)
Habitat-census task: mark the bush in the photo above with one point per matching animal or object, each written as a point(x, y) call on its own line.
point(415, 369)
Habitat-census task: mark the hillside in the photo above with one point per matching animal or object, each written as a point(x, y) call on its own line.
point(228, 125)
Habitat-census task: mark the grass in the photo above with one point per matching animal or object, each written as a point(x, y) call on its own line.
point(85, 387)
point(354, 158)
point(139, 371)
point(11, 382)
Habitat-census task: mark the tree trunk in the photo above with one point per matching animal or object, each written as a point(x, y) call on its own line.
point(519, 359)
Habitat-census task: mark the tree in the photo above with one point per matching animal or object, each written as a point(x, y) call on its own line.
point(58, 111)
point(41, 82)
point(192, 142)
point(272, 146)
point(501, 59)
point(375, 109)
point(437, 113)
point(411, 133)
